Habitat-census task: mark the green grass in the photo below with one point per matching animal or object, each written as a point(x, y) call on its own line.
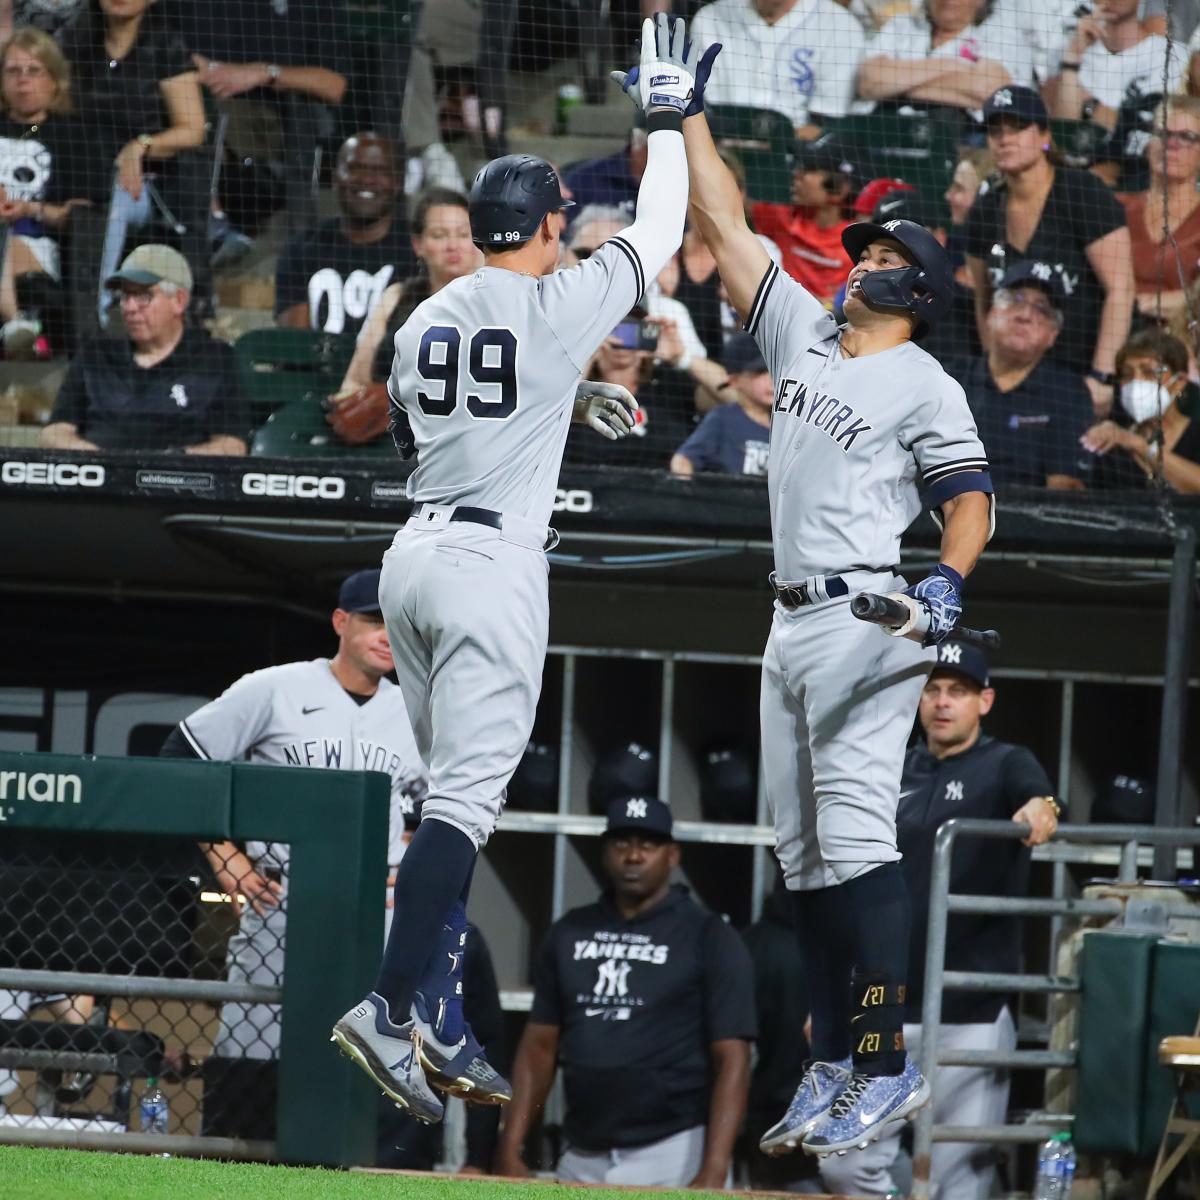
point(36, 1174)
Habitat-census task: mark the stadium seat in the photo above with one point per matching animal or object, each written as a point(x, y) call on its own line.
point(1078, 141)
point(299, 430)
point(279, 366)
point(762, 140)
point(920, 150)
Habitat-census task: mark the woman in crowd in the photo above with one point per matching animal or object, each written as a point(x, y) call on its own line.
point(37, 145)
point(442, 243)
point(1167, 215)
point(1064, 218)
point(135, 81)
point(1150, 436)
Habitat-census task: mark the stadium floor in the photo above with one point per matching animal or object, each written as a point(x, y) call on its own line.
point(37, 1174)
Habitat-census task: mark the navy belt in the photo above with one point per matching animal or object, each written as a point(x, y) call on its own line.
point(476, 516)
point(812, 590)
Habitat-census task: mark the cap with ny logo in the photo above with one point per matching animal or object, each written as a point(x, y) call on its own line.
point(639, 814)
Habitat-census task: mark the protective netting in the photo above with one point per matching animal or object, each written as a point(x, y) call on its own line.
point(159, 921)
point(308, 160)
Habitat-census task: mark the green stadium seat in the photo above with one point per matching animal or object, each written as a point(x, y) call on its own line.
point(1078, 141)
point(762, 140)
point(920, 150)
point(299, 430)
point(279, 366)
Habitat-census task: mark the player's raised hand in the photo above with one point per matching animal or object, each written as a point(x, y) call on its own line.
point(669, 70)
point(608, 408)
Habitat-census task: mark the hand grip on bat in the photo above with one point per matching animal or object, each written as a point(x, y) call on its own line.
point(897, 611)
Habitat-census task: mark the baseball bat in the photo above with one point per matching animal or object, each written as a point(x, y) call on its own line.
point(883, 610)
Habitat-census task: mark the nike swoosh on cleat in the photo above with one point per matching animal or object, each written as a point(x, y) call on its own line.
point(869, 1118)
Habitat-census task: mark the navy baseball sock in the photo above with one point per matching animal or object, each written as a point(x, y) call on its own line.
point(826, 936)
point(878, 906)
point(430, 880)
point(442, 981)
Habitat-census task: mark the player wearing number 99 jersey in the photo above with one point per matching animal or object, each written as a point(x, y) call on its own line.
point(486, 376)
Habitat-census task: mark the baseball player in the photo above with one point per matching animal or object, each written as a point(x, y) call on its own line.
point(340, 713)
point(487, 375)
point(866, 431)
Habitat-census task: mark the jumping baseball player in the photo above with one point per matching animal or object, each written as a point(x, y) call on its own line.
point(341, 713)
point(866, 431)
point(487, 374)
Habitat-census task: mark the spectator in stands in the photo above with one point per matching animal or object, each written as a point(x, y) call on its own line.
point(38, 143)
point(808, 232)
point(1111, 59)
point(645, 1000)
point(1152, 436)
point(441, 241)
point(613, 180)
point(956, 770)
point(332, 277)
point(47, 15)
point(1030, 413)
point(873, 193)
point(795, 58)
point(960, 195)
point(1173, 201)
point(281, 59)
point(166, 387)
point(135, 87)
point(734, 437)
point(1056, 215)
point(950, 54)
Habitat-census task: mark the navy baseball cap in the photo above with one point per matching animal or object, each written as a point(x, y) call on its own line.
point(639, 814)
point(963, 659)
point(741, 353)
point(825, 154)
point(1017, 101)
point(1040, 274)
point(360, 592)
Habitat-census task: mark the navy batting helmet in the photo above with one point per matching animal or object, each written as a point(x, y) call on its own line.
point(923, 290)
point(509, 198)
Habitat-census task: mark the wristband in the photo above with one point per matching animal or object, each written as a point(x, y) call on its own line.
point(664, 118)
point(1105, 377)
point(1068, 66)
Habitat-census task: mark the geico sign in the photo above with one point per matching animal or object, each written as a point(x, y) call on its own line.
point(572, 500)
point(319, 487)
point(53, 474)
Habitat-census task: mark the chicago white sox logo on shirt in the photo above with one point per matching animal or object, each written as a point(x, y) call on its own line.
point(635, 810)
point(954, 790)
point(950, 653)
point(611, 977)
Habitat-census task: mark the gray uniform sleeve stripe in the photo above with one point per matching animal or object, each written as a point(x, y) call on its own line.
point(760, 299)
point(963, 464)
point(195, 745)
point(635, 262)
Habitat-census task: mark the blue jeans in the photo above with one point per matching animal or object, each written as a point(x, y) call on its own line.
point(123, 211)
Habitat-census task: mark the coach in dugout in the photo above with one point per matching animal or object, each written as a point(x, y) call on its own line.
point(958, 771)
point(645, 999)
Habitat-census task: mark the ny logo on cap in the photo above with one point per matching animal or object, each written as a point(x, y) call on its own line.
point(891, 226)
point(1002, 99)
point(950, 653)
point(1041, 270)
point(635, 810)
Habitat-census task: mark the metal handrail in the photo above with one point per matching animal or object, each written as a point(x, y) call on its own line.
point(942, 902)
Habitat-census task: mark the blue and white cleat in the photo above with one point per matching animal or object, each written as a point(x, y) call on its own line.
point(390, 1055)
point(458, 1068)
point(867, 1106)
point(820, 1087)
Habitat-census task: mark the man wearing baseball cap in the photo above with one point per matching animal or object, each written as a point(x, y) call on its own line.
point(956, 770)
point(734, 437)
point(645, 1000)
point(163, 386)
point(1030, 412)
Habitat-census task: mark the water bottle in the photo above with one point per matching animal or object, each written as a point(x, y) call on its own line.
point(156, 1113)
point(1056, 1169)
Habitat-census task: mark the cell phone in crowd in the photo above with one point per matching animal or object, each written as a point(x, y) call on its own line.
point(636, 333)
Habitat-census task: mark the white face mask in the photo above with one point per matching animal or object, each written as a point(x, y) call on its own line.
point(1143, 399)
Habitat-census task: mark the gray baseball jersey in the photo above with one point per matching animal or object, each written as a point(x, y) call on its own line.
point(496, 343)
point(299, 715)
point(858, 445)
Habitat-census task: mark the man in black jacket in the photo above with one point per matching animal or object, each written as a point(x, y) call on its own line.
point(958, 771)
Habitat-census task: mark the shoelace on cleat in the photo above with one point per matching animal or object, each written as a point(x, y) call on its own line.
point(850, 1095)
point(810, 1077)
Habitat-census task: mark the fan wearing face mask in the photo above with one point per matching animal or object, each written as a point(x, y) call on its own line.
point(1154, 431)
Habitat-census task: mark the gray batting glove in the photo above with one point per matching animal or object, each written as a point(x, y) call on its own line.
point(665, 78)
point(608, 408)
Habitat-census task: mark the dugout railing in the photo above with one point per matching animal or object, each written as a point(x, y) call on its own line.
point(334, 824)
point(1071, 843)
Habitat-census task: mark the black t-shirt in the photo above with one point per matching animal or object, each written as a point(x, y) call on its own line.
point(40, 162)
point(292, 33)
point(1079, 210)
point(665, 420)
point(990, 781)
point(120, 98)
point(189, 397)
point(703, 302)
point(340, 281)
point(1034, 430)
point(638, 1004)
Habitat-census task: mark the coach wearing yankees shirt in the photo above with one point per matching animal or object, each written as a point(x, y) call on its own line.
point(958, 771)
point(646, 1001)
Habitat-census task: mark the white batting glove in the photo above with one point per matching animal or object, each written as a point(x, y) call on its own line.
point(667, 71)
point(607, 407)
